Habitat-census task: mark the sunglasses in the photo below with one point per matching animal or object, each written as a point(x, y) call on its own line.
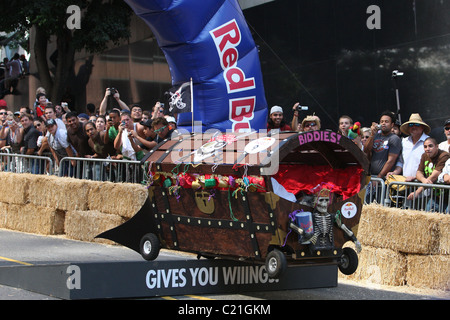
point(311, 124)
point(3, 113)
point(160, 129)
point(366, 137)
point(447, 128)
point(414, 125)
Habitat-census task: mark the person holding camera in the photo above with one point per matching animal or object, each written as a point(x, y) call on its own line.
point(124, 142)
point(383, 147)
point(113, 94)
point(11, 134)
point(158, 110)
point(295, 125)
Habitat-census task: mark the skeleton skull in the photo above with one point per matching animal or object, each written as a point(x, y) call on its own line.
point(322, 204)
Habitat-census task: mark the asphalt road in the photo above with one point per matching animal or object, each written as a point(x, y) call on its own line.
point(18, 249)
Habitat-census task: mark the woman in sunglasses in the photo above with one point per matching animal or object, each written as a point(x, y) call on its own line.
point(310, 123)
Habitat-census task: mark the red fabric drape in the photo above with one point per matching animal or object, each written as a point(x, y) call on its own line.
point(311, 179)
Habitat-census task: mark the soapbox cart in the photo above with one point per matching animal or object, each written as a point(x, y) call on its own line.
point(281, 199)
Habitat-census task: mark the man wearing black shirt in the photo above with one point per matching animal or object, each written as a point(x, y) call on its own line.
point(30, 147)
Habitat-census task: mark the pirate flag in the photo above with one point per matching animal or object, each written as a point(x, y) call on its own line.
point(180, 98)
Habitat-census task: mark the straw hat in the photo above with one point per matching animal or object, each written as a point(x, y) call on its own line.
point(414, 118)
point(312, 118)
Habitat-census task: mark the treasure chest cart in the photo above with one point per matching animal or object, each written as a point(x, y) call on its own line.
point(282, 199)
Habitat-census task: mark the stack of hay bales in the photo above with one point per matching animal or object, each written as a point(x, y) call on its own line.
point(17, 212)
point(108, 205)
point(80, 209)
point(404, 247)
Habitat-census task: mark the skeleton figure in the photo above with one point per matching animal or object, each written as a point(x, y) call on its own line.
point(323, 224)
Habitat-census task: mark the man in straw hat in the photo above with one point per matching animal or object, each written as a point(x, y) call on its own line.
point(412, 146)
point(311, 123)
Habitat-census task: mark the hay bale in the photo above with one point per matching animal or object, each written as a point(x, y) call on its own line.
point(401, 230)
point(32, 219)
point(85, 225)
point(3, 214)
point(444, 235)
point(15, 187)
point(432, 272)
point(380, 266)
point(59, 193)
point(124, 199)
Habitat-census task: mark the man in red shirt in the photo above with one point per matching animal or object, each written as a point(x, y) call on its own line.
point(276, 120)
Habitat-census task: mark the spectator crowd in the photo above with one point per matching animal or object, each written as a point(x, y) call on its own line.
point(128, 132)
point(393, 148)
point(123, 133)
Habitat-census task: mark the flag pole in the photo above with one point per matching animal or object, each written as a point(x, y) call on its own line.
point(192, 104)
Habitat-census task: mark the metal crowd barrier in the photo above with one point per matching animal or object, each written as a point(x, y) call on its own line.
point(433, 198)
point(376, 191)
point(101, 169)
point(22, 163)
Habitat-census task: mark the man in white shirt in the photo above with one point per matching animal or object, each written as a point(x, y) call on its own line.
point(57, 141)
point(444, 145)
point(412, 146)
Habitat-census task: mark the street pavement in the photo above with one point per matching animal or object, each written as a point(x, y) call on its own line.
point(18, 249)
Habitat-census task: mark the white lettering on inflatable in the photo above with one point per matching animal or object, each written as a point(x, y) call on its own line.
point(226, 38)
point(241, 112)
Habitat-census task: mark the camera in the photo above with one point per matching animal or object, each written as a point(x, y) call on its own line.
point(397, 73)
point(112, 91)
point(302, 108)
point(379, 126)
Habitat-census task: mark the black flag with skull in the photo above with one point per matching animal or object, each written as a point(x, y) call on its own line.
point(180, 98)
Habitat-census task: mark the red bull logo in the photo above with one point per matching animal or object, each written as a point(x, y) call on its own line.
point(226, 38)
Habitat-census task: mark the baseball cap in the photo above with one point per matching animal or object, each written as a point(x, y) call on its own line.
point(171, 119)
point(50, 122)
point(447, 122)
point(276, 109)
point(147, 123)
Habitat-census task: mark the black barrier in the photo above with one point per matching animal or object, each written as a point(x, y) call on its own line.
point(160, 278)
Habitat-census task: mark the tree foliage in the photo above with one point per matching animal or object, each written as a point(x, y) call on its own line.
point(102, 22)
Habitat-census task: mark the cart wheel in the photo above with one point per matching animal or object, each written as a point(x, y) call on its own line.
point(150, 246)
point(349, 261)
point(275, 263)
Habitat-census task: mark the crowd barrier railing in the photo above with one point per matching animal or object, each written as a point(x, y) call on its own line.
point(376, 191)
point(22, 163)
point(433, 197)
point(101, 169)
